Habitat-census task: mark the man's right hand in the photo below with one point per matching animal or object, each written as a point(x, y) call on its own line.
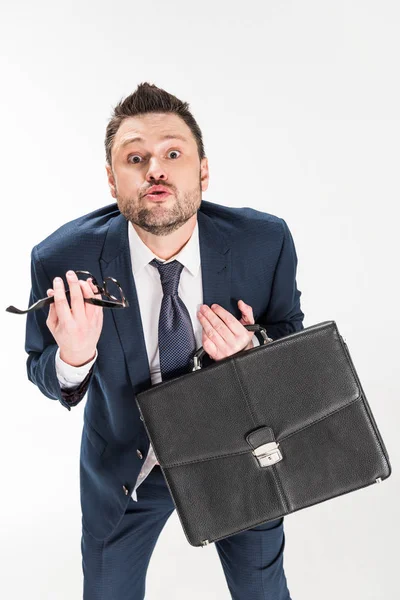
point(76, 329)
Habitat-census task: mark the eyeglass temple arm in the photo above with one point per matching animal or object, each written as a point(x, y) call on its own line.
point(111, 303)
point(35, 306)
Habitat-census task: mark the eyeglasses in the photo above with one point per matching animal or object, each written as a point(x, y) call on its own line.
point(113, 301)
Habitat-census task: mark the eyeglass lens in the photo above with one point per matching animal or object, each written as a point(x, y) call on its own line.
point(110, 286)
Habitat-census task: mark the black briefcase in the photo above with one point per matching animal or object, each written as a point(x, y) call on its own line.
point(263, 433)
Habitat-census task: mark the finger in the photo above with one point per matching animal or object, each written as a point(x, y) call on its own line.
point(247, 316)
point(96, 292)
point(232, 328)
point(60, 301)
point(216, 330)
point(247, 312)
point(209, 347)
point(52, 318)
point(90, 291)
point(77, 303)
point(93, 287)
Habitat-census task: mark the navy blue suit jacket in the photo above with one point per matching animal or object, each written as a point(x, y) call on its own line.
point(244, 253)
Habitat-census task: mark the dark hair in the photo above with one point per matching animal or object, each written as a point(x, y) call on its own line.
point(149, 98)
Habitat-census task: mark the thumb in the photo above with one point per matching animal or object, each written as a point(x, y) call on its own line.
point(247, 312)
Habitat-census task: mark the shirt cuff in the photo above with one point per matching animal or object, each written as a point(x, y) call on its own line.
point(255, 340)
point(68, 375)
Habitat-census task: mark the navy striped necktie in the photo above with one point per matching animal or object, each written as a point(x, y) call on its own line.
point(176, 339)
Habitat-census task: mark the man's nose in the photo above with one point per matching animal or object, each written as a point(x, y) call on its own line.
point(156, 170)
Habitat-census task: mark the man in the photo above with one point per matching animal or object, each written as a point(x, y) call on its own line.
point(194, 274)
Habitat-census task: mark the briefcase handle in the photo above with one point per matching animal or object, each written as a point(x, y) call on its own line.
point(255, 327)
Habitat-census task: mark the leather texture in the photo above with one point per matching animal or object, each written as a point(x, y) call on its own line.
point(301, 391)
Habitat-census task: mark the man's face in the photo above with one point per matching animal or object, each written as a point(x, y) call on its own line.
point(173, 163)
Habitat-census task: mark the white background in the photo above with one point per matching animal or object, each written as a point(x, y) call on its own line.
point(298, 103)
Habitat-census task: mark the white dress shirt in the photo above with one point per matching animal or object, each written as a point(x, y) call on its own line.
point(150, 294)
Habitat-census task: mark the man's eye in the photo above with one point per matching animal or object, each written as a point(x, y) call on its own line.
point(174, 151)
point(134, 156)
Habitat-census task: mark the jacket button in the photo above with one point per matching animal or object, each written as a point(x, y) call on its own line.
point(140, 455)
point(125, 490)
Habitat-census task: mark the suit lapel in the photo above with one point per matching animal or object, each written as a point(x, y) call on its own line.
point(215, 259)
point(115, 261)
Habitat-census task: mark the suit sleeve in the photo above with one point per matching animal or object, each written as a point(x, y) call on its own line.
point(284, 315)
point(41, 346)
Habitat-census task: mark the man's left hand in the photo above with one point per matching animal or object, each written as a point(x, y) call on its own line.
point(223, 334)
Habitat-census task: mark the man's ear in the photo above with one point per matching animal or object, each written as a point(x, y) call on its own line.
point(204, 174)
point(111, 180)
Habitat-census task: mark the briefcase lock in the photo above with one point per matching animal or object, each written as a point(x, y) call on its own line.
point(268, 454)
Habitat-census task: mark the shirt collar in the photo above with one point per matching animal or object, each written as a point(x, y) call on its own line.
point(141, 255)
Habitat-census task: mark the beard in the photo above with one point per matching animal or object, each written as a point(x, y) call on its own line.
point(161, 218)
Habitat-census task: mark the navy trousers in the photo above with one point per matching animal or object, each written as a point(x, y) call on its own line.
point(116, 568)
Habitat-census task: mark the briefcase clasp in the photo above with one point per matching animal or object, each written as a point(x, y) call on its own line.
point(268, 454)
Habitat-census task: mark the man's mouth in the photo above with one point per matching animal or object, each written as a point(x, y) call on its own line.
point(158, 196)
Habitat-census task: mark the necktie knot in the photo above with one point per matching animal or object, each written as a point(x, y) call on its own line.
point(170, 273)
